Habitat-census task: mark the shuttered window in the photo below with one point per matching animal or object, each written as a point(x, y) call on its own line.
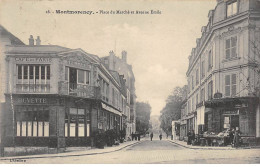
point(231, 47)
point(230, 85)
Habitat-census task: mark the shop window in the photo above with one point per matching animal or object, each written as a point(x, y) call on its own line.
point(230, 85)
point(231, 47)
point(76, 122)
point(32, 122)
point(232, 8)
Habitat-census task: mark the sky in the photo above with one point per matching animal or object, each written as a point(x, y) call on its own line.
point(157, 45)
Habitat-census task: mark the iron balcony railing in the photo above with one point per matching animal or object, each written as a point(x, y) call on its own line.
point(79, 90)
point(33, 88)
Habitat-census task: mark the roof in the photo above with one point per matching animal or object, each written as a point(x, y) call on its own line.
point(115, 75)
point(35, 49)
point(14, 40)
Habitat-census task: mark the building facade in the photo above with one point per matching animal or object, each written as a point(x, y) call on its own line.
point(59, 97)
point(115, 63)
point(6, 38)
point(223, 77)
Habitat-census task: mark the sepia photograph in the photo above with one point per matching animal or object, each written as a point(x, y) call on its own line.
point(129, 82)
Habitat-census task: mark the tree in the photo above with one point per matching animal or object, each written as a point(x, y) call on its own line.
point(143, 111)
point(172, 109)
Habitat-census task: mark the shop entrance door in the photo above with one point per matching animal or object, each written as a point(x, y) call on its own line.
point(234, 121)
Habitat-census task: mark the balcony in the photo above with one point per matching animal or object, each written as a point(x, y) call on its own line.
point(33, 88)
point(79, 90)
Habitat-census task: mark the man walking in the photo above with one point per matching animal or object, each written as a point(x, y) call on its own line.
point(151, 136)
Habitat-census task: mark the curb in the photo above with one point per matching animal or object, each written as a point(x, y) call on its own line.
point(72, 155)
point(215, 148)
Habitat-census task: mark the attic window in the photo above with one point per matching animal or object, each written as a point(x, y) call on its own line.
point(232, 8)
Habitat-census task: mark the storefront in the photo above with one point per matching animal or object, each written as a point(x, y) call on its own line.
point(33, 120)
point(232, 113)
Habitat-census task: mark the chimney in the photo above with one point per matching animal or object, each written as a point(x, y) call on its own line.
point(124, 56)
point(38, 40)
point(31, 40)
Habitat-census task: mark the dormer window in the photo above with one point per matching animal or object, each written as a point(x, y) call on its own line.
point(232, 8)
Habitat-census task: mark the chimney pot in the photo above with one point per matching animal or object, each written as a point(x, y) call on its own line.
point(38, 40)
point(124, 56)
point(31, 40)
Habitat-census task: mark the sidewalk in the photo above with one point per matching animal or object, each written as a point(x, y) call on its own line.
point(78, 151)
point(184, 144)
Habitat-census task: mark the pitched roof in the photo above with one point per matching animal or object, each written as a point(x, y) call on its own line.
point(14, 39)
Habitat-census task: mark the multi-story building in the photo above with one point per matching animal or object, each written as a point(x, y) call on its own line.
point(223, 76)
point(115, 63)
point(58, 97)
point(6, 38)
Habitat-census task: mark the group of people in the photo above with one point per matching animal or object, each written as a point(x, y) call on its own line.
point(234, 136)
point(135, 136)
point(151, 136)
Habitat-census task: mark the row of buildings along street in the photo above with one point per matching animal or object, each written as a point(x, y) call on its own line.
point(56, 97)
point(223, 77)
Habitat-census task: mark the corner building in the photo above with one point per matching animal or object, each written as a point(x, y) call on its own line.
point(223, 82)
point(58, 97)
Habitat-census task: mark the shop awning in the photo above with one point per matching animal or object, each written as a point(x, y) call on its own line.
point(110, 109)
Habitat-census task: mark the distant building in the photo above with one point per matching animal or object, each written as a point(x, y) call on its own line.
point(59, 97)
point(112, 62)
point(222, 74)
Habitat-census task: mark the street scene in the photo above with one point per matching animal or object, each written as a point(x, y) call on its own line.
point(150, 152)
point(130, 82)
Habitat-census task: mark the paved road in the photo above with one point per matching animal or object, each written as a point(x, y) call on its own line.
point(159, 152)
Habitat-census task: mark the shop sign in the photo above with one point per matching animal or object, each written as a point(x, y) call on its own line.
point(81, 64)
point(231, 112)
point(33, 59)
point(108, 108)
point(32, 100)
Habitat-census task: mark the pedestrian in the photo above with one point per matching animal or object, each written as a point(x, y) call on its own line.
point(231, 136)
point(189, 137)
point(132, 136)
point(138, 136)
point(160, 136)
point(151, 136)
point(236, 138)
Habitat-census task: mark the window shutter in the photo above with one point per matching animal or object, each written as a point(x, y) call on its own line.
point(234, 46)
point(233, 82)
point(227, 85)
point(227, 48)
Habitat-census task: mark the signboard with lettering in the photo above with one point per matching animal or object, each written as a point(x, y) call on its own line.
point(231, 112)
point(33, 59)
point(35, 100)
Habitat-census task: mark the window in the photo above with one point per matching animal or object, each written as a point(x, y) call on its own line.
point(232, 8)
point(192, 82)
point(230, 85)
point(76, 122)
point(202, 69)
point(32, 121)
point(210, 90)
point(81, 76)
point(231, 47)
point(33, 78)
point(202, 95)
point(197, 76)
point(210, 60)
